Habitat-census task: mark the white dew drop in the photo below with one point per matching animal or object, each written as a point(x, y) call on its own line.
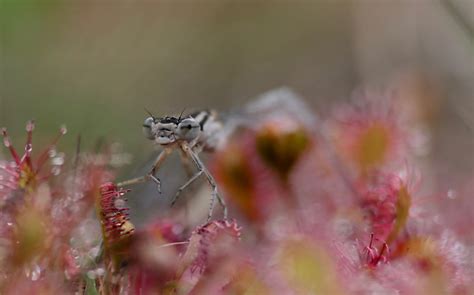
point(28, 148)
point(63, 129)
point(30, 126)
point(52, 152)
point(55, 170)
point(34, 272)
point(58, 159)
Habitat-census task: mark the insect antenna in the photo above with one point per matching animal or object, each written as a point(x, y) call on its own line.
point(181, 115)
point(151, 115)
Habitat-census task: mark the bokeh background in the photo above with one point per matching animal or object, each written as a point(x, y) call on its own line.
point(95, 65)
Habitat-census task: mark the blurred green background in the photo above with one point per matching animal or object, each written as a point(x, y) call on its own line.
point(95, 65)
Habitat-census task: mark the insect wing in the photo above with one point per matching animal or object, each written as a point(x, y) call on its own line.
point(281, 105)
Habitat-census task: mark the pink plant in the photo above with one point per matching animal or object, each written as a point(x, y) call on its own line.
point(370, 133)
point(42, 209)
point(319, 209)
point(23, 172)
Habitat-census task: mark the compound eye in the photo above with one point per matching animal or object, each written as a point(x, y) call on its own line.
point(188, 128)
point(147, 128)
point(188, 124)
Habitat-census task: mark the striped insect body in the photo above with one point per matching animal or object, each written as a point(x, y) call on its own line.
point(204, 131)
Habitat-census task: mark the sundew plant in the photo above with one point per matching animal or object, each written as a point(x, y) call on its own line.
point(334, 203)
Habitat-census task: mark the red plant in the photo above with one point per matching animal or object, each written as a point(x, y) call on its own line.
point(323, 208)
point(24, 172)
point(373, 256)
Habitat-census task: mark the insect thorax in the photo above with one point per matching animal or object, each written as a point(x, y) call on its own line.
point(210, 127)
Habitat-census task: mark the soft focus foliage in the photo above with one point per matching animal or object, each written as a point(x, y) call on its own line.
point(333, 206)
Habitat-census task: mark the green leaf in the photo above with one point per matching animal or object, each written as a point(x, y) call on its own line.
point(91, 288)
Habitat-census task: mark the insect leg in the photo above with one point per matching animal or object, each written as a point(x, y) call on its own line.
point(150, 175)
point(186, 163)
point(181, 188)
point(200, 166)
point(189, 171)
point(133, 181)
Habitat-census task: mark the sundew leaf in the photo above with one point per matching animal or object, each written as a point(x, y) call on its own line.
point(308, 268)
point(373, 147)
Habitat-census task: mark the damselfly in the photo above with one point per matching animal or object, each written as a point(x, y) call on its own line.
point(204, 131)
